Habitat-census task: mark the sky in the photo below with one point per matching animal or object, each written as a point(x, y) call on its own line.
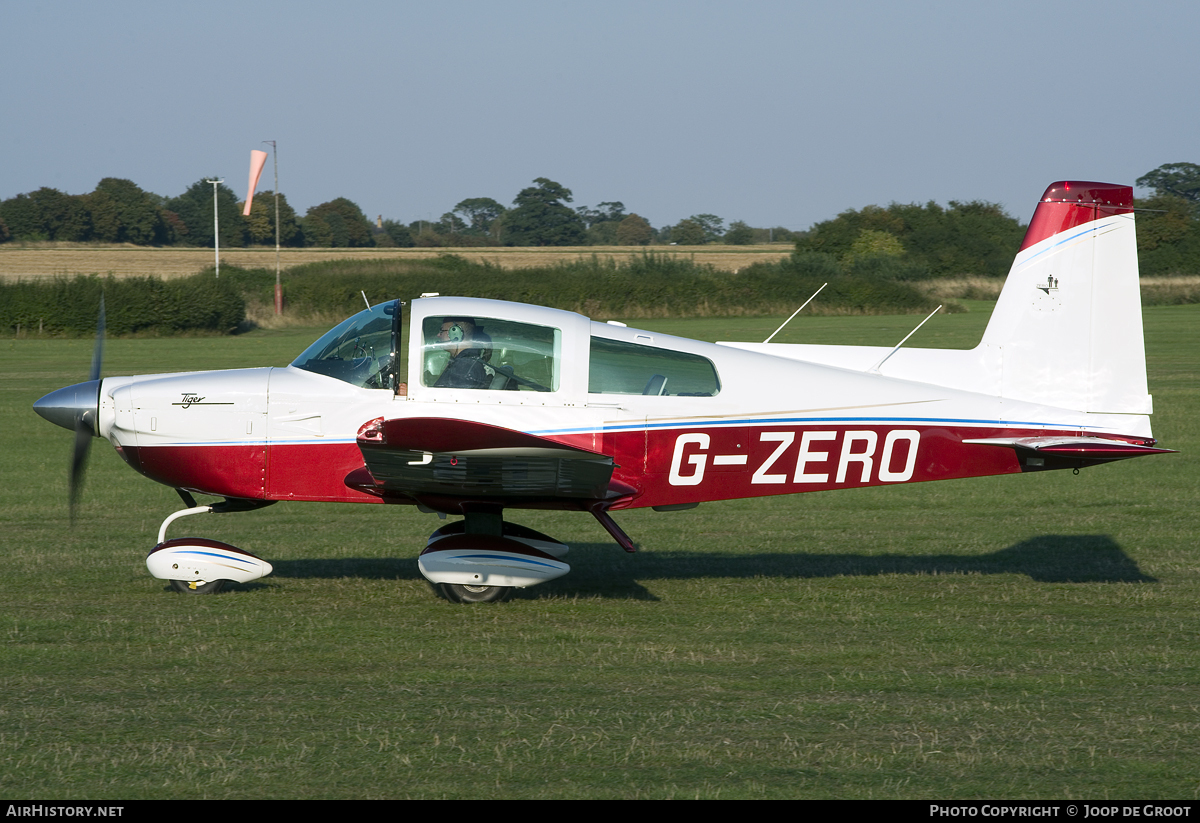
point(775, 113)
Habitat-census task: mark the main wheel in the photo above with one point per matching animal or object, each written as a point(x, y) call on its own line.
point(195, 587)
point(458, 593)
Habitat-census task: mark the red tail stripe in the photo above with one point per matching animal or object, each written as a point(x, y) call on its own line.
point(1070, 203)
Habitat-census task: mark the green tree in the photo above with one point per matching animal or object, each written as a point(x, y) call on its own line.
point(259, 230)
point(687, 232)
point(776, 234)
point(260, 225)
point(47, 214)
point(602, 234)
point(338, 223)
point(21, 216)
point(836, 236)
point(1168, 236)
point(317, 231)
point(195, 210)
point(1178, 179)
point(739, 234)
point(967, 238)
point(123, 213)
point(425, 235)
point(815, 265)
point(477, 214)
point(62, 216)
point(176, 229)
point(601, 222)
point(634, 230)
point(540, 218)
point(608, 211)
point(875, 243)
point(397, 234)
point(714, 227)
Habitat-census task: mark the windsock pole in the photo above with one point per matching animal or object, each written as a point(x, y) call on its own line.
point(278, 286)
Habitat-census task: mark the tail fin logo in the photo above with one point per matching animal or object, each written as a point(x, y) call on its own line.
point(1050, 285)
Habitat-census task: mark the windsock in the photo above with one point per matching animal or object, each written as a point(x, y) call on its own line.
point(257, 160)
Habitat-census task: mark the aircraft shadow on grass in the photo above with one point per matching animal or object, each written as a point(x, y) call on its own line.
point(602, 570)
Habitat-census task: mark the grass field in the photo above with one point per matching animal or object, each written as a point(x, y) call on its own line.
point(1013, 637)
point(31, 261)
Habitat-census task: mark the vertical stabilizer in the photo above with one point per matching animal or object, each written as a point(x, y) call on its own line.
point(1067, 329)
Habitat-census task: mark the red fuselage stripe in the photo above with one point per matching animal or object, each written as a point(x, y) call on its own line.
point(665, 466)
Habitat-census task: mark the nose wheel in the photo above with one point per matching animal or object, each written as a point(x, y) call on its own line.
point(463, 593)
point(197, 565)
point(197, 586)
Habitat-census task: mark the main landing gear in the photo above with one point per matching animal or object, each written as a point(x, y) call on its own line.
point(482, 558)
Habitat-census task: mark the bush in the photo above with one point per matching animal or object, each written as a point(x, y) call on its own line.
point(135, 305)
point(645, 285)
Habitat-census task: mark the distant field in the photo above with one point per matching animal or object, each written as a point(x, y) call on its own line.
point(51, 259)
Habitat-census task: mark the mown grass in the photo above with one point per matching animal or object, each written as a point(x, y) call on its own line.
point(1007, 637)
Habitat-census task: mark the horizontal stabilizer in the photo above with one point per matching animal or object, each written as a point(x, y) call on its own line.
point(1090, 449)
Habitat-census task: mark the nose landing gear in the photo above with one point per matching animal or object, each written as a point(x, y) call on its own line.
point(197, 565)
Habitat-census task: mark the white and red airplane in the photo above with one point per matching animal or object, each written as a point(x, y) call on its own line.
point(470, 407)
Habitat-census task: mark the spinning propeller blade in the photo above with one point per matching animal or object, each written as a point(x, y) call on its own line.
point(86, 424)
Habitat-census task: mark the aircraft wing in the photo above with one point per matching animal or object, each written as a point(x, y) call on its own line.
point(438, 458)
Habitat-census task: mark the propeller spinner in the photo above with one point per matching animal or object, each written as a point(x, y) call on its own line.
point(77, 408)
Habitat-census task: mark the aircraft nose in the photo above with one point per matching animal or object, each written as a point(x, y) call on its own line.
point(67, 405)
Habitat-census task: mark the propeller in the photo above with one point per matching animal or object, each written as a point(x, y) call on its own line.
point(87, 424)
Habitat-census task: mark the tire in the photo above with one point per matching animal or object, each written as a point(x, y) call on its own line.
point(457, 593)
point(187, 587)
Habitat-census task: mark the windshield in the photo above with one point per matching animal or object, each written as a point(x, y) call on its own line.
point(360, 350)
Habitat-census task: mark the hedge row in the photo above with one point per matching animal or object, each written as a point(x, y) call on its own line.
point(644, 286)
point(135, 305)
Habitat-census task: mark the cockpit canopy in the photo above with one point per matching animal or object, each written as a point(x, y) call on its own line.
point(471, 343)
point(360, 350)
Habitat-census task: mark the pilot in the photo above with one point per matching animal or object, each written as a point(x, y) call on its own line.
point(469, 352)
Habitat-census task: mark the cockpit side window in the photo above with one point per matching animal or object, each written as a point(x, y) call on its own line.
point(489, 353)
point(617, 367)
point(361, 350)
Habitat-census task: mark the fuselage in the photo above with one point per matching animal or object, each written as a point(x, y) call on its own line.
point(755, 425)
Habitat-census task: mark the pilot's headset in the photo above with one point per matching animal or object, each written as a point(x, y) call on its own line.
point(458, 332)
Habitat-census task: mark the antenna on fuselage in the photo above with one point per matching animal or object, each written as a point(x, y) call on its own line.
point(875, 369)
point(365, 300)
point(797, 311)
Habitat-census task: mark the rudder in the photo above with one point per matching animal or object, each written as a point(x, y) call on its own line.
point(1067, 328)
